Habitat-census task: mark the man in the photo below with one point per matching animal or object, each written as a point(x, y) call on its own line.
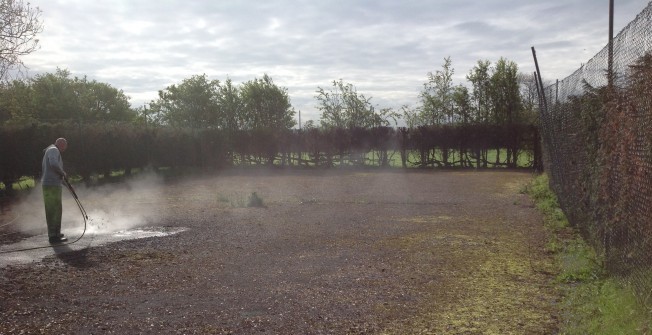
point(51, 181)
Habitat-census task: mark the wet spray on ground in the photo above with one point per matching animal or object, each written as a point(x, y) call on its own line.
point(93, 216)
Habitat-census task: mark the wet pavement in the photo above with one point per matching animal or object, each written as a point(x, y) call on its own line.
point(16, 253)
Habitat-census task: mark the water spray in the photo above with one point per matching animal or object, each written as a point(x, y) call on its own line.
point(81, 209)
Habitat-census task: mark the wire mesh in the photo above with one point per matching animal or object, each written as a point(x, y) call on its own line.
point(598, 152)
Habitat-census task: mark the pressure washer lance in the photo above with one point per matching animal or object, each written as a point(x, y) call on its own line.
point(74, 195)
point(81, 209)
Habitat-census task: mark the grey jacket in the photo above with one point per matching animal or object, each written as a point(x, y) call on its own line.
point(52, 167)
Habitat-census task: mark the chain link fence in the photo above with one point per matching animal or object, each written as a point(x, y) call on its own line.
point(598, 152)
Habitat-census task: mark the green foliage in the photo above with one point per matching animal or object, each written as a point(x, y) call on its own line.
point(344, 107)
point(598, 142)
point(592, 303)
point(437, 96)
point(21, 184)
point(604, 307)
point(529, 98)
point(200, 103)
point(578, 262)
point(266, 106)
point(479, 77)
point(546, 200)
point(222, 198)
point(189, 104)
point(505, 93)
point(461, 100)
point(230, 106)
point(498, 96)
point(240, 201)
point(555, 220)
point(100, 148)
point(55, 97)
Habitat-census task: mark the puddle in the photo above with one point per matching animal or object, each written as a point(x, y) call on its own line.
point(89, 240)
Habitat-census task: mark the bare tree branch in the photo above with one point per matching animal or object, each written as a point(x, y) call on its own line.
point(19, 25)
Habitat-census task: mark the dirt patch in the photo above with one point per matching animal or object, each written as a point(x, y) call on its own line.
point(333, 252)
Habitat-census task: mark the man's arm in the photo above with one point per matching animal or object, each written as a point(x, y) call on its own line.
point(54, 161)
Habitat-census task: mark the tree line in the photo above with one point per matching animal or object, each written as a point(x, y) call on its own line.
point(224, 124)
point(206, 122)
point(495, 95)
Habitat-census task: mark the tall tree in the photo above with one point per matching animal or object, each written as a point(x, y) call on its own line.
point(266, 105)
point(16, 102)
point(479, 76)
point(230, 106)
point(529, 97)
point(332, 105)
point(102, 102)
point(462, 109)
point(19, 25)
point(436, 97)
point(413, 116)
point(53, 97)
point(508, 107)
point(505, 93)
point(58, 97)
point(192, 103)
point(344, 107)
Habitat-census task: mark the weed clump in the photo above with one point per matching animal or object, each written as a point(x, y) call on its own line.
point(255, 201)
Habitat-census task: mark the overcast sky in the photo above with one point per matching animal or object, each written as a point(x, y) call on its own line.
point(383, 47)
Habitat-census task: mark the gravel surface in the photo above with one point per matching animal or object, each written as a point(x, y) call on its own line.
point(331, 252)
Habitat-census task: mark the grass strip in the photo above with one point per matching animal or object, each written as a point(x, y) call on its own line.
point(593, 302)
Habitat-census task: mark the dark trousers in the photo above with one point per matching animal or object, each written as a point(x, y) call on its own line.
point(53, 209)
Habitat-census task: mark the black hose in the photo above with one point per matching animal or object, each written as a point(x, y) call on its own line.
point(81, 209)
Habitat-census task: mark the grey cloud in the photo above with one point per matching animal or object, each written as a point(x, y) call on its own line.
point(382, 46)
point(477, 28)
